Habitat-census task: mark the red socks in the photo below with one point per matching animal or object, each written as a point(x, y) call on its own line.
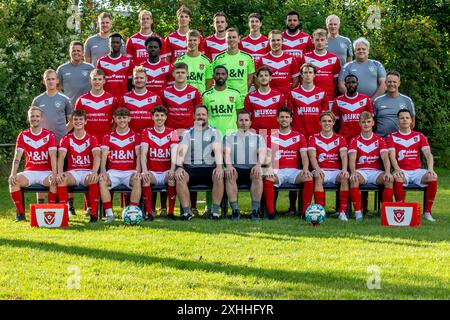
point(430, 195)
point(388, 194)
point(172, 195)
point(107, 205)
point(63, 195)
point(269, 196)
point(94, 194)
point(319, 197)
point(147, 194)
point(355, 195)
point(52, 197)
point(343, 200)
point(307, 194)
point(16, 197)
point(399, 191)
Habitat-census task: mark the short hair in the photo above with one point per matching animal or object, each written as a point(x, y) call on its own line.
point(184, 9)
point(161, 109)
point(143, 13)
point(153, 38)
point(255, 15)
point(220, 66)
point(97, 72)
point(329, 114)
point(234, 29)
point(200, 106)
point(308, 65)
point(264, 68)
point(393, 73)
point(273, 32)
point(365, 115)
point(46, 72)
point(363, 41)
point(293, 13)
point(139, 69)
point(104, 15)
point(76, 43)
point(115, 35)
point(332, 16)
point(180, 65)
point(79, 113)
point(285, 109)
point(351, 75)
point(122, 112)
point(34, 108)
point(243, 111)
point(320, 32)
point(220, 14)
point(404, 110)
point(193, 33)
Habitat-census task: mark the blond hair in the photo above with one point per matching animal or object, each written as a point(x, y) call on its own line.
point(139, 69)
point(365, 115)
point(329, 114)
point(143, 13)
point(273, 32)
point(320, 32)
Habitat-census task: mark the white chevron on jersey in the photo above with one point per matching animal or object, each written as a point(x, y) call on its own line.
point(327, 146)
point(367, 148)
point(157, 72)
point(121, 143)
point(79, 148)
point(254, 47)
point(160, 141)
point(351, 106)
point(321, 64)
point(294, 43)
point(285, 143)
point(179, 100)
point(178, 42)
point(139, 103)
point(138, 41)
point(308, 100)
point(277, 65)
point(265, 103)
point(96, 105)
point(36, 144)
point(115, 67)
point(217, 46)
point(406, 142)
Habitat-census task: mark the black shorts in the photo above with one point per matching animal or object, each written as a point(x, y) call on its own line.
point(243, 176)
point(200, 175)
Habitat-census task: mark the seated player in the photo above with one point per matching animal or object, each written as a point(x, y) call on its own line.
point(83, 161)
point(120, 153)
point(289, 155)
point(368, 154)
point(158, 144)
point(405, 146)
point(244, 154)
point(39, 146)
point(328, 156)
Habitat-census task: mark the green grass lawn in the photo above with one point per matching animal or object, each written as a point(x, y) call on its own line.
point(205, 259)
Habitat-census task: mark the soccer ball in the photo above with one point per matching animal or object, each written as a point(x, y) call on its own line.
point(315, 214)
point(132, 215)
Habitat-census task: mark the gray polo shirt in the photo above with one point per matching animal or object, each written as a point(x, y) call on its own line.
point(340, 46)
point(96, 47)
point(200, 151)
point(56, 109)
point(74, 79)
point(367, 72)
point(244, 148)
point(386, 108)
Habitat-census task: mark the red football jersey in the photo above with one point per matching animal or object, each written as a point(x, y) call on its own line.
point(298, 44)
point(159, 147)
point(368, 151)
point(135, 47)
point(328, 150)
point(328, 67)
point(286, 149)
point(284, 68)
point(407, 148)
point(117, 72)
point(36, 148)
point(213, 46)
point(79, 151)
point(140, 106)
point(263, 108)
point(175, 45)
point(307, 107)
point(180, 105)
point(99, 111)
point(347, 110)
point(158, 75)
point(122, 150)
point(255, 47)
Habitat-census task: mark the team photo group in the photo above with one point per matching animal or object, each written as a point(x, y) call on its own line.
point(223, 110)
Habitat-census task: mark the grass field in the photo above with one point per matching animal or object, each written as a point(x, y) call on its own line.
point(204, 259)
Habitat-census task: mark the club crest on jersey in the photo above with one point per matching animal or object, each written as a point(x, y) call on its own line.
point(274, 99)
point(58, 104)
point(335, 142)
point(330, 61)
point(163, 69)
point(416, 139)
point(372, 69)
point(361, 103)
point(49, 217)
point(124, 64)
point(241, 63)
point(317, 97)
point(286, 61)
point(201, 67)
point(107, 101)
point(84, 73)
point(342, 45)
point(231, 99)
point(189, 96)
point(399, 215)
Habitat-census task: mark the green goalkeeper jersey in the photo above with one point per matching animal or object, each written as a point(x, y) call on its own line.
point(199, 70)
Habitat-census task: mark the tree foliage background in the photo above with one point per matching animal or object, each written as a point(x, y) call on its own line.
point(410, 36)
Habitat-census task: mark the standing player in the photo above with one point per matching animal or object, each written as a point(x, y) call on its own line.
point(199, 65)
point(264, 103)
point(175, 43)
point(140, 102)
point(244, 155)
point(290, 163)
point(285, 68)
point(135, 46)
point(337, 44)
point(348, 107)
point(39, 146)
point(74, 75)
point(83, 162)
point(158, 147)
point(255, 43)
point(118, 68)
point(367, 155)
point(405, 147)
point(328, 156)
point(240, 65)
point(158, 71)
point(296, 42)
point(120, 154)
point(217, 42)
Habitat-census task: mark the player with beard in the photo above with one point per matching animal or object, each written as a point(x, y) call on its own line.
point(296, 42)
point(217, 42)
